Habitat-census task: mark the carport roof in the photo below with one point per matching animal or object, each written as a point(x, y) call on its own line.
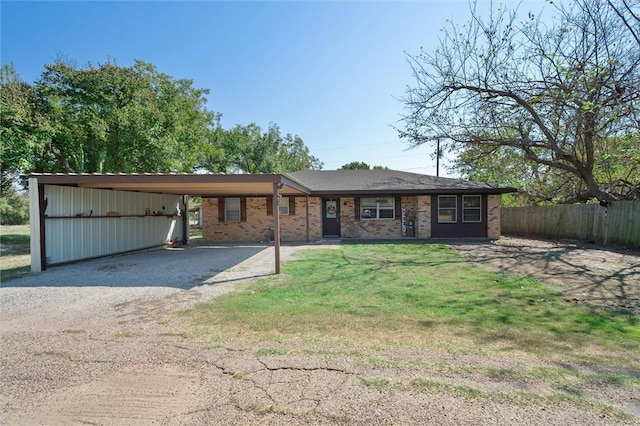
point(179, 184)
point(316, 182)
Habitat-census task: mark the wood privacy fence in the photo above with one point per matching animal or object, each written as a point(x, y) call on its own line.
point(618, 224)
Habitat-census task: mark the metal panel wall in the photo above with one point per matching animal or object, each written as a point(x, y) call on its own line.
point(82, 223)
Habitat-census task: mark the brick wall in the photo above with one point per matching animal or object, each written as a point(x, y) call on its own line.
point(423, 217)
point(315, 218)
point(294, 227)
point(258, 224)
point(493, 216)
point(384, 228)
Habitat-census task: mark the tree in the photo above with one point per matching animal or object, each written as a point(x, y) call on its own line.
point(630, 17)
point(117, 119)
point(294, 156)
point(14, 207)
point(24, 131)
point(553, 98)
point(114, 119)
point(247, 149)
point(361, 165)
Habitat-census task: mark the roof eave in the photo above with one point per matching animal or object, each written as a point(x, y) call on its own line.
point(415, 191)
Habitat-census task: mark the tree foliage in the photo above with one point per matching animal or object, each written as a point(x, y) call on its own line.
point(249, 149)
point(361, 165)
point(115, 119)
point(14, 207)
point(24, 131)
point(121, 119)
point(549, 107)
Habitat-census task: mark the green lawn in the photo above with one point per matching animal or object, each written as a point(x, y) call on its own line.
point(371, 301)
point(15, 260)
point(424, 295)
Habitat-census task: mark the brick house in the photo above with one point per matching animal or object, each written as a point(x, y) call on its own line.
point(361, 204)
point(84, 216)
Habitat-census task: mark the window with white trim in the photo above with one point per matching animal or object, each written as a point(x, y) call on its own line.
point(472, 208)
point(447, 209)
point(232, 209)
point(377, 208)
point(283, 206)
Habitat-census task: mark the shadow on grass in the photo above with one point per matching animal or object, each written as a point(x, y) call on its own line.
point(15, 239)
point(614, 288)
point(434, 287)
point(13, 273)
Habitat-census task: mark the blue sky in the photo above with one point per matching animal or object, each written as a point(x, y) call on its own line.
point(331, 72)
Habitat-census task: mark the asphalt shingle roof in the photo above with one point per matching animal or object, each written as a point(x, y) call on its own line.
point(387, 181)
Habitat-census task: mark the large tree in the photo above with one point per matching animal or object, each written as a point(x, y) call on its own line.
point(559, 98)
point(249, 149)
point(121, 119)
point(114, 119)
point(24, 131)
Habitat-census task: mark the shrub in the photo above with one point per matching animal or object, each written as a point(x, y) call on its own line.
point(14, 208)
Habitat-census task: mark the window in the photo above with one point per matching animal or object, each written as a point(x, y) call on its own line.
point(471, 208)
point(232, 209)
point(283, 206)
point(377, 208)
point(447, 209)
point(286, 206)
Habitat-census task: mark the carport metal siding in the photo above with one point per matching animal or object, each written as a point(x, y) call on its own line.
point(181, 185)
point(72, 234)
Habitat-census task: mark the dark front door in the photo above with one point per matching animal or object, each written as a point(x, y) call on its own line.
point(330, 218)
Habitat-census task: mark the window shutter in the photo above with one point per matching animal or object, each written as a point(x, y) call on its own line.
point(220, 209)
point(292, 206)
point(269, 206)
point(357, 208)
point(398, 207)
point(243, 209)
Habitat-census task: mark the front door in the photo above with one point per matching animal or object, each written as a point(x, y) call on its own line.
point(330, 218)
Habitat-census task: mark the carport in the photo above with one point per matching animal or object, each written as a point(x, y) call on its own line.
point(83, 216)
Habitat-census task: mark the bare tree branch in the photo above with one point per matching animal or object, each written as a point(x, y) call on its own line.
point(554, 91)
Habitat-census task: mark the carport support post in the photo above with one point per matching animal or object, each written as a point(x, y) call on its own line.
point(185, 220)
point(36, 222)
point(276, 225)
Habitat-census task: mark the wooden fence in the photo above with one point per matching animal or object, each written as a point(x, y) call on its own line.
point(618, 224)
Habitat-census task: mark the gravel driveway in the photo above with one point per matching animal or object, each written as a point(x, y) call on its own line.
point(97, 343)
point(88, 290)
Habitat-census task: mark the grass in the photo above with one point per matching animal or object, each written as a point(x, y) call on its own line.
point(195, 232)
point(369, 301)
point(407, 295)
point(430, 386)
point(15, 260)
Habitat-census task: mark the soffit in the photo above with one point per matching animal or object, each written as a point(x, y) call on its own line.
point(206, 185)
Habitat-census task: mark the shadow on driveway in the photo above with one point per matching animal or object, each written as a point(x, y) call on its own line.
point(182, 268)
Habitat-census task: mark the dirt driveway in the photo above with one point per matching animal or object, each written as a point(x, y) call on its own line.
point(114, 354)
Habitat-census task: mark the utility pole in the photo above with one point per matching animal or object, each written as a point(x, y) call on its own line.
point(438, 157)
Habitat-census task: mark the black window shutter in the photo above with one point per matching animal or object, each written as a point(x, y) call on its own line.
point(357, 208)
point(292, 205)
point(243, 209)
point(398, 207)
point(269, 206)
point(220, 209)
